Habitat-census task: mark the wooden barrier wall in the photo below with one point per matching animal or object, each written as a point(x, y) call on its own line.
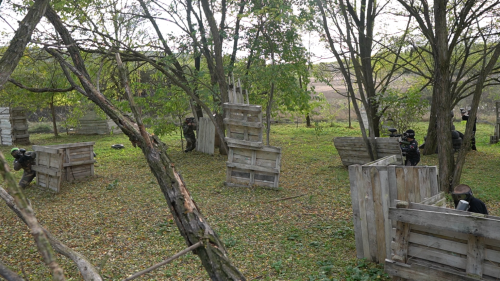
point(92, 124)
point(66, 162)
point(206, 136)
point(13, 126)
point(433, 243)
point(249, 166)
point(373, 191)
point(243, 124)
point(352, 150)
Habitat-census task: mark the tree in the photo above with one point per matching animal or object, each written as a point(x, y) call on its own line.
point(353, 44)
point(444, 37)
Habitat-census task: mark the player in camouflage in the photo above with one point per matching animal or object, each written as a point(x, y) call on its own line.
point(24, 160)
point(188, 128)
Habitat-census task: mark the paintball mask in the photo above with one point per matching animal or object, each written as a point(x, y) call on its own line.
point(409, 134)
point(461, 196)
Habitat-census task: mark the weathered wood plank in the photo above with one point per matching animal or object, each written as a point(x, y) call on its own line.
point(379, 221)
point(419, 272)
point(243, 107)
point(370, 213)
point(354, 170)
point(252, 167)
point(45, 170)
point(475, 255)
point(466, 223)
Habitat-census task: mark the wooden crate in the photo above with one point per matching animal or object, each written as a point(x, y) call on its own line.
point(243, 124)
point(352, 150)
point(206, 136)
point(13, 126)
point(434, 243)
point(374, 187)
point(251, 166)
point(65, 162)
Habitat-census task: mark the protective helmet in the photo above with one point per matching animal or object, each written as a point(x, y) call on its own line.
point(410, 133)
point(461, 192)
point(14, 149)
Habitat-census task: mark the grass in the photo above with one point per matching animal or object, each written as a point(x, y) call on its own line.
point(121, 222)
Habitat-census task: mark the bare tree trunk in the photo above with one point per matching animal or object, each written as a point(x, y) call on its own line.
point(53, 113)
point(441, 90)
point(268, 113)
point(486, 69)
point(189, 220)
point(14, 52)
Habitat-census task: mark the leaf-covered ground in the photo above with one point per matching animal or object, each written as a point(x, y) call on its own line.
point(120, 220)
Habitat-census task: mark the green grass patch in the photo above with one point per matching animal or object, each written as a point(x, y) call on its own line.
point(121, 222)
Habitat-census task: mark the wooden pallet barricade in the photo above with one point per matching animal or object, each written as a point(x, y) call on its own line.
point(352, 150)
point(374, 187)
point(13, 126)
point(65, 162)
point(243, 124)
point(434, 243)
point(206, 136)
point(249, 166)
point(92, 124)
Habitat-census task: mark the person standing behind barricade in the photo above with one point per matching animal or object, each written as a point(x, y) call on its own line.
point(462, 192)
point(465, 116)
point(188, 130)
point(24, 160)
point(409, 147)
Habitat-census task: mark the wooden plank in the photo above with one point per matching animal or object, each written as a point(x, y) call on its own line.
point(432, 200)
point(384, 161)
point(433, 178)
point(242, 123)
point(401, 237)
point(436, 256)
point(243, 142)
point(266, 155)
point(466, 223)
point(47, 149)
point(252, 167)
point(475, 255)
point(243, 107)
point(393, 192)
point(379, 214)
point(370, 213)
point(361, 190)
point(384, 188)
point(76, 163)
point(354, 170)
point(422, 207)
point(45, 170)
point(431, 241)
point(423, 272)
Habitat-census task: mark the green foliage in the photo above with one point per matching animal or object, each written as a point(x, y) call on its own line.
point(403, 110)
point(365, 271)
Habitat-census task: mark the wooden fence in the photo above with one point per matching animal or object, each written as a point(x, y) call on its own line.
point(496, 137)
point(248, 166)
point(13, 126)
point(352, 150)
point(433, 243)
point(206, 136)
point(374, 187)
point(243, 124)
point(93, 124)
point(65, 162)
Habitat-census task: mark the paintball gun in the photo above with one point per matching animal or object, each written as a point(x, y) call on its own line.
point(403, 137)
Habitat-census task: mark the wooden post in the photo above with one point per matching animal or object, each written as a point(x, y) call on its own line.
point(475, 255)
point(401, 239)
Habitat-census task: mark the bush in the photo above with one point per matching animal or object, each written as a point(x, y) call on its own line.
point(37, 128)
